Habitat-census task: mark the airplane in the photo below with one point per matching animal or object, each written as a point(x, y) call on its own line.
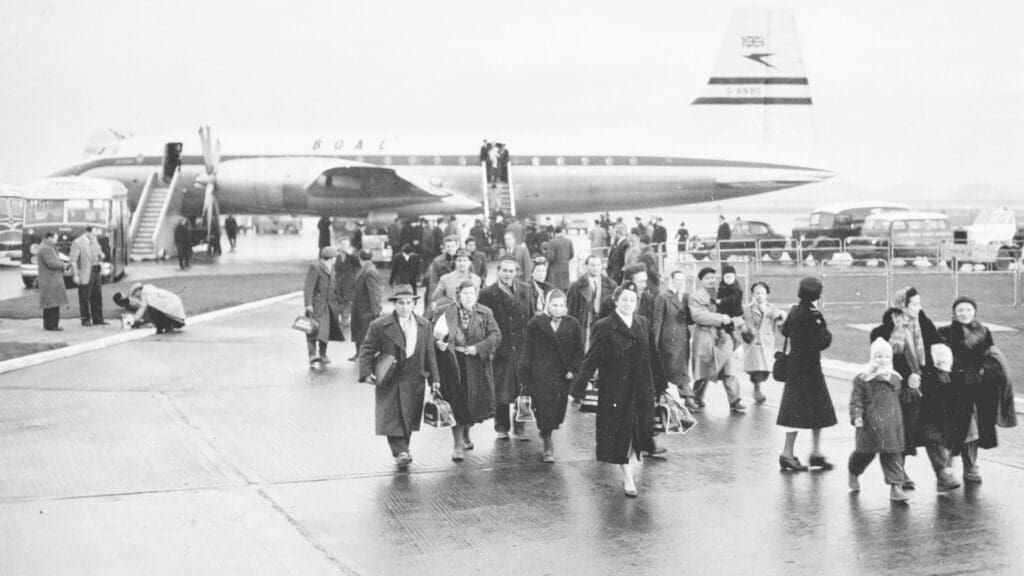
point(759, 75)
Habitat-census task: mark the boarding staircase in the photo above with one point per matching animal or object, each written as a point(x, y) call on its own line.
point(151, 232)
point(498, 195)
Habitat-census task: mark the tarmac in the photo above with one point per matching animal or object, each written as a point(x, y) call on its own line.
point(217, 450)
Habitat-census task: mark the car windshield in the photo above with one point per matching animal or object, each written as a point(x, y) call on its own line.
point(67, 211)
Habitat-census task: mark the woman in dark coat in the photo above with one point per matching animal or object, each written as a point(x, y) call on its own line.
point(806, 403)
point(406, 337)
point(316, 296)
point(982, 395)
point(629, 379)
point(466, 337)
point(553, 355)
point(539, 286)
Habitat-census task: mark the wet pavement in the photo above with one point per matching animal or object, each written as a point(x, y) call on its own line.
point(218, 451)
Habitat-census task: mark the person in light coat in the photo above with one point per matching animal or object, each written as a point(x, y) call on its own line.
point(407, 338)
point(150, 304)
point(761, 321)
point(86, 257)
point(712, 346)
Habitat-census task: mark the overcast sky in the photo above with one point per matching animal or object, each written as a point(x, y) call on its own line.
point(925, 91)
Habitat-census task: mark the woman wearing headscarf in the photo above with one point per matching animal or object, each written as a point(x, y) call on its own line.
point(553, 356)
point(466, 335)
point(911, 334)
point(630, 376)
point(806, 403)
point(982, 394)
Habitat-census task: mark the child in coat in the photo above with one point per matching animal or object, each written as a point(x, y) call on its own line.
point(875, 412)
point(730, 298)
point(761, 321)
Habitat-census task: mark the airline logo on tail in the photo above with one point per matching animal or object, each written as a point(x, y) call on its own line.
point(760, 62)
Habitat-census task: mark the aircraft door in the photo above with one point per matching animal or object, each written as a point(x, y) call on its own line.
point(171, 160)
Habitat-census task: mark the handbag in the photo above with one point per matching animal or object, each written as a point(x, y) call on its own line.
point(438, 412)
point(524, 409)
point(781, 363)
point(589, 401)
point(680, 420)
point(306, 324)
point(383, 368)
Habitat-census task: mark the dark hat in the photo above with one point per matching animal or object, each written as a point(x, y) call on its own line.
point(365, 255)
point(810, 289)
point(728, 269)
point(963, 299)
point(704, 272)
point(328, 252)
point(631, 286)
point(462, 253)
point(403, 291)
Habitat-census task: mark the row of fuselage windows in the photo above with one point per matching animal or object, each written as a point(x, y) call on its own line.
point(520, 161)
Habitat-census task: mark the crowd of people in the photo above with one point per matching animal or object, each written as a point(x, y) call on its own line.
point(623, 330)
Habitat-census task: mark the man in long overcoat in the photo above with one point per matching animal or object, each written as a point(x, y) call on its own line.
point(585, 296)
point(317, 297)
point(323, 226)
point(406, 337)
point(509, 301)
point(712, 345)
point(672, 334)
point(366, 300)
point(52, 294)
point(561, 254)
point(617, 254)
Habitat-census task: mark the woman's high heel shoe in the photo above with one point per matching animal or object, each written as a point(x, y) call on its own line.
point(791, 463)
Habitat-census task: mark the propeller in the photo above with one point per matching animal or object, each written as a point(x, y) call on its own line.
point(211, 158)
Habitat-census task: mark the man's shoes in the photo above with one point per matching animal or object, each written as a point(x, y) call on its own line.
point(737, 407)
point(313, 360)
point(402, 460)
point(896, 494)
point(325, 359)
point(791, 463)
point(853, 482)
point(101, 323)
point(57, 329)
point(946, 481)
point(972, 477)
point(501, 435)
point(659, 452)
point(819, 461)
point(909, 484)
point(691, 405)
point(86, 323)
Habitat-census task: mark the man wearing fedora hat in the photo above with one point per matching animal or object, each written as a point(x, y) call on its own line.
point(406, 338)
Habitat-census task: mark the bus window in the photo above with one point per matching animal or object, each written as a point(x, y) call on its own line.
point(17, 207)
point(44, 212)
point(91, 211)
point(5, 210)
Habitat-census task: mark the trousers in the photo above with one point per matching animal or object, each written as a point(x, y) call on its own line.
point(892, 465)
point(731, 384)
point(90, 298)
point(51, 318)
point(398, 444)
point(941, 457)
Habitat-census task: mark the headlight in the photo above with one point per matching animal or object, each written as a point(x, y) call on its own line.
point(33, 249)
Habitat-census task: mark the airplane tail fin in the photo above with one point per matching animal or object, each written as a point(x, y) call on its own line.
point(759, 81)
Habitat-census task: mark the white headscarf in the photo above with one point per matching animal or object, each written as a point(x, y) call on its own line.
point(877, 367)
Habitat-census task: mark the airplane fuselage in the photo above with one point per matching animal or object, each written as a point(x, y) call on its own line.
point(291, 178)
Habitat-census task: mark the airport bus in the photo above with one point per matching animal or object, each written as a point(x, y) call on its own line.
point(11, 208)
point(67, 206)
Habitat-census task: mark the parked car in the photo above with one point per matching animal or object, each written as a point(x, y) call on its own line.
point(746, 234)
point(277, 224)
point(903, 235)
point(830, 225)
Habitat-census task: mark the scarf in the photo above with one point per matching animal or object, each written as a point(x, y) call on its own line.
point(917, 339)
point(464, 317)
